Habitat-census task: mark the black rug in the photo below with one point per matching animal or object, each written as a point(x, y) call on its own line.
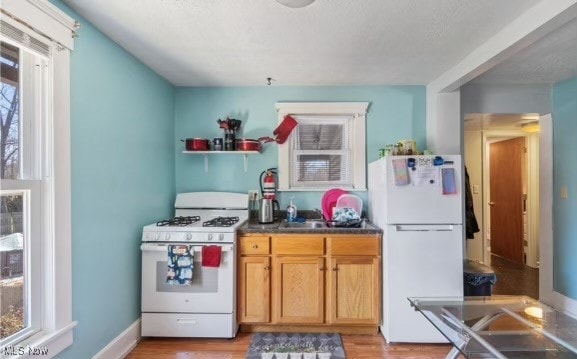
point(296, 346)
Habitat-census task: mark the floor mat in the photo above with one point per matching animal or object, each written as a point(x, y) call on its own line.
point(296, 346)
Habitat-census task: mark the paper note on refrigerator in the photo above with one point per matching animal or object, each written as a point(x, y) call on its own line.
point(425, 176)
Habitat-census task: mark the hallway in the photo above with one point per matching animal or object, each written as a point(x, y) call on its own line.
point(515, 279)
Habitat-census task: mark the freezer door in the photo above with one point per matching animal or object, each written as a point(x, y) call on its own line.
point(418, 261)
point(433, 195)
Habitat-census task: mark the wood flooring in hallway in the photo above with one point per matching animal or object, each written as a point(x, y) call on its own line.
point(514, 279)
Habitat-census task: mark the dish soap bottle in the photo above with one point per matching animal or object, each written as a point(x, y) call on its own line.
point(291, 211)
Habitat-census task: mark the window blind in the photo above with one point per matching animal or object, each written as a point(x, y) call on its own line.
point(321, 152)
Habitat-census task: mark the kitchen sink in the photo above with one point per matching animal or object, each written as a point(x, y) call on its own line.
point(307, 224)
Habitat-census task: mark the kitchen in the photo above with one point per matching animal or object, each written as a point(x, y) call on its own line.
point(127, 164)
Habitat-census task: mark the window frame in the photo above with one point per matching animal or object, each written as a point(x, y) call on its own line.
point(45, 22)
point(355, 111)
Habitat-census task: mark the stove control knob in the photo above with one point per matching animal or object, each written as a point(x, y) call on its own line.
point(156, 236)
point(220, 237)
point(167, 236)
point(189, 236)
point(210, 236)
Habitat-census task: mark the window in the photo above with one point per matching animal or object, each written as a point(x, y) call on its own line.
point(21, 192)
point(35, 264)
point(326, 149)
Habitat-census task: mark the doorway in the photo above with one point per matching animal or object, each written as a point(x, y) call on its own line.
point(502, 161)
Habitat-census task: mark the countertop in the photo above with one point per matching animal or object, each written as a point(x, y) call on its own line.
point(252, 226)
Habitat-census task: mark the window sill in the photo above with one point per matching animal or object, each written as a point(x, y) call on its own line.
point(45, 344)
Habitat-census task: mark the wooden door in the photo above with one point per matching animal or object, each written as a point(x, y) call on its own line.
point(506, 203)
point(298, 290)
point(355, 290)
point(254, 289)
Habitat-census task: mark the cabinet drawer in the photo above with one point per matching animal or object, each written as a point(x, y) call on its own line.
point(255, 245)
point(351, 246)
point(298, 245)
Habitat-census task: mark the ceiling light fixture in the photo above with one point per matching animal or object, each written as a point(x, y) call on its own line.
point(295, 3)
point(531, 127)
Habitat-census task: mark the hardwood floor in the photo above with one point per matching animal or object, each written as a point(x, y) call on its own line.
point(515, 279)
point(356, 347)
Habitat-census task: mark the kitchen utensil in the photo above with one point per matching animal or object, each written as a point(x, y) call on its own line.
point(245, 144)
point(223, 124)
point(268, 210)
point(350, 201)
point(217, 144)
point(196, 144)
point(351, 223)
point(283, 131)
point(229, 142)
point(329, 201)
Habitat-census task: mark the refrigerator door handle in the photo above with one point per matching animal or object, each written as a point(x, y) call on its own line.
point(424, 227)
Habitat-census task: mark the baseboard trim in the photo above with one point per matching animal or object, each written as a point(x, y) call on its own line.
point(120, 346)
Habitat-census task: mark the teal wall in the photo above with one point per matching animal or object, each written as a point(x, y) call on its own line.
point(395, 113)
point(564, 100)
point(122, 123)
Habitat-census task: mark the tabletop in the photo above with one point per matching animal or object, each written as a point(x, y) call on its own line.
point(501, 327)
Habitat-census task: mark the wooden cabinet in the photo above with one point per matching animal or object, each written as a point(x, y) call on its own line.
point(254, 267)
point(298, 289)
point(354, 291)
point(312, 280)
point(355, 286)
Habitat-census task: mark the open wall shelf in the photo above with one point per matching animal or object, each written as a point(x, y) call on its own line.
point(206, 153)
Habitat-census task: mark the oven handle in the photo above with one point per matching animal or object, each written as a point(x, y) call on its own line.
point(162, 247)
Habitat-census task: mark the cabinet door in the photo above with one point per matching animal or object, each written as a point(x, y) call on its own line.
point(355, 290)
point(298, 290)
point(254, 289)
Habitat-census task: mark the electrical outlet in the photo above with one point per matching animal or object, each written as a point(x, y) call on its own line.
point(475, 189)
point(253, 194)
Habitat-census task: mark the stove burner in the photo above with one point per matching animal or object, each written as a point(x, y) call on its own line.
point(179, 221)
point(220, 222)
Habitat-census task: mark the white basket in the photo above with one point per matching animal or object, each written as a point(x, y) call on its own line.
point(350, 201)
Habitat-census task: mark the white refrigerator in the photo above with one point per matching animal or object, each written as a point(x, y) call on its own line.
point(418, 202)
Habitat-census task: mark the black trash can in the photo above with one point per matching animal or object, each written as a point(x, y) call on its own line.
point(477, 279)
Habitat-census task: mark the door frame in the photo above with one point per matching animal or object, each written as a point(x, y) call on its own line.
point(532, 143)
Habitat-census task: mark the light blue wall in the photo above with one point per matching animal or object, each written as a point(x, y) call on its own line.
point(564, 101)
point(122, 178)
point(395, 113)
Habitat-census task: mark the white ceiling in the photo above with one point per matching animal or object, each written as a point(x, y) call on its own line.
point(331, 42)
point(549, 60)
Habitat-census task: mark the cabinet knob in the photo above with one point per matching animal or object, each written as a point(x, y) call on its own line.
point(267, 268)
point(255, 246)
point(335, 269)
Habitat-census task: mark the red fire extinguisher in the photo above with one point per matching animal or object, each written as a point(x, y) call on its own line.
point(268, 185)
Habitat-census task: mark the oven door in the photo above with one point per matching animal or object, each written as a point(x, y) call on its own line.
point(212, 289)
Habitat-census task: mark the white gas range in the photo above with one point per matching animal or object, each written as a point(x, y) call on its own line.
point(206, 305)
